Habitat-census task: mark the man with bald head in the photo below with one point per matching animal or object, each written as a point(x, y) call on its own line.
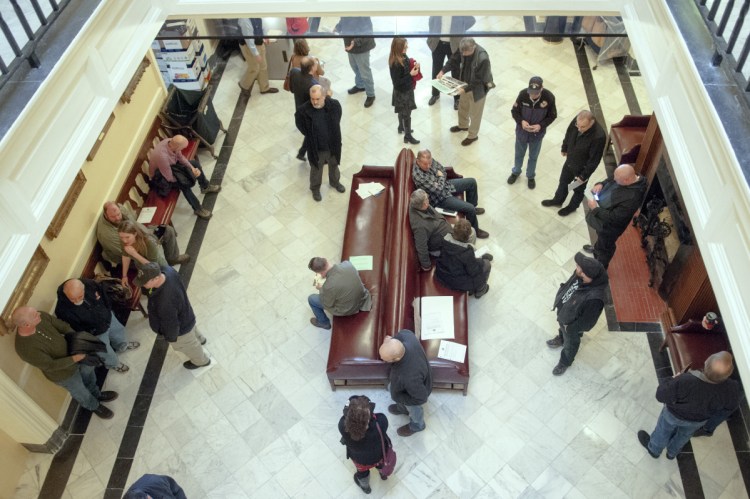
point(319, 120)
point(615, 202)
point(168, 154)
point(583, 149)
point(690, 400)
point(410, 379)
point(85, 305)
point(40, 341)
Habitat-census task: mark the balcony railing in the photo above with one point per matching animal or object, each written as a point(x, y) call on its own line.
point(726, 21)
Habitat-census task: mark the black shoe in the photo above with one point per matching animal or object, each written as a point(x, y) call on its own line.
point(408, 139)
point(512, 178)
point(564, 212)
point(551, 202)
point(701, 432)
point(482, 234)
point(433, 100)
point(644, 438)
point(369, 101)
point(103, 412)
point(107, 396)
point(555, 342)
point(479, 211)
point(301, 156)
point(559, 369)
point(355, 90)
point(532, 183)
point(588, 248)
point(455, 105)
point(456, 129)
point(189, 365)
point(487, 257)
point(482, 291)
point(339, 187)
point(397, 410)
point(363, 484)
point(316, 195)
point(467, 141)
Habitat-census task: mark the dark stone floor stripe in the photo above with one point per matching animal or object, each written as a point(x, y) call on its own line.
point(627, 85)
point(592, 97)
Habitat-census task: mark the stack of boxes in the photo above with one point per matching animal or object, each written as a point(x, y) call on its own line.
point(182, 62)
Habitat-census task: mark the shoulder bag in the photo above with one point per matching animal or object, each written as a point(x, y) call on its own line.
point(389, 455)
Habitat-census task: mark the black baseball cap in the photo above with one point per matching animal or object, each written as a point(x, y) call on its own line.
point(535, 85)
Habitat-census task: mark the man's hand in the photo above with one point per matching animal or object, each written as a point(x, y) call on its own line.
point(535, 128)
point(318, 286)
point(79, 357)
point(563, 153)
point(593, 204)
point(349, 47)
point(525, 124)
point(259, 58)
point(597, 188)
point(460, 91)
point(439, 75)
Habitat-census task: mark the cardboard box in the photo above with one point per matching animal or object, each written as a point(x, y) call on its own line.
point(179, 55)
point(185, 74)
point(163, 65)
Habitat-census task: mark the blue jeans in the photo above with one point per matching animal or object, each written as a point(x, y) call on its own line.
point(671, 432)
point(360, 64)
point(534, 148)
point(416, 416)
point(82, 387)
point(468, 207)
point(317, 308)
point(114, 340)
point(190, 197)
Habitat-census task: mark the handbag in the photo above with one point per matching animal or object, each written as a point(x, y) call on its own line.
point(389, 456)
point(287, 86)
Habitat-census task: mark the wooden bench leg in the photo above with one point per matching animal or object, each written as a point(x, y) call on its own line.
point(139, 307)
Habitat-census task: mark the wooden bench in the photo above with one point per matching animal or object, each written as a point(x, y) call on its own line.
point(690, 344)
point(626, 137)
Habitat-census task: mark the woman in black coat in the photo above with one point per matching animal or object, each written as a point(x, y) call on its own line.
point(402, 76)
point(458, 268)
point(360, 435)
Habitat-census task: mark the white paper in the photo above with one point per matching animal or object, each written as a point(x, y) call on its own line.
point(417, 317)
point(481, 251)
point(147, 214)
point(575, 183)
point(369, 189)
point(437, 317)
point(448, 85)
point(363, 262)
point(450, 350)
point(447, 213)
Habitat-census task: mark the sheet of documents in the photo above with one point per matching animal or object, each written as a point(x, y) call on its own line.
point(450, 350)
point(481, 251)
point(437, 317)
point(147, 214)
point(575, 183)
point(370, 189)
point(447, 213)
point(363, 262)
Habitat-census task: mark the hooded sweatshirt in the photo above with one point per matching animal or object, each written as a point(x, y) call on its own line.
point(579, 305)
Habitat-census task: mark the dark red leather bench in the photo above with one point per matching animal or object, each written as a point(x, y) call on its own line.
point(626, 137)
point(689, 345)
point(379, 226)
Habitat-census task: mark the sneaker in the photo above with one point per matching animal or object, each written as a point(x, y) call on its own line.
point(406, 431)
point(103, 412)
point(512, 179)
point(551, 202)
point(316, 196)
point(339, 187)
point(363, 484)
point(482, 291)
point(132, 345)
point(588, 248)
point(433, 100)
point(203, 213)
point(555, 342)
point(456, 129)
point(564, 212)
point(184, 258)
point(479, 211)
point(532, 183)
point(644, 438)
point(122, 368)
point(315, 323)
point(397, 410)
point(189, 365)
point(559, 369)
point(355, 90)
point(369, 101)
point(107, 396)
point(211, 188)
point(482, 234)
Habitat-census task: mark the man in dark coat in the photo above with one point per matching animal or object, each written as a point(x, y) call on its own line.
point(84, 305)
point(579, 303)
point(300, 81)
point(170, 313)
point(615, 202)
point(410, 379)
point(319, 120)
point(690, 400)
point(583, 149)
point(457, 266)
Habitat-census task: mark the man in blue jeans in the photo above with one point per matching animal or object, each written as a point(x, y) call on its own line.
point(358, 48)
point(429, 175)
point(341, 291)
point(691, 400)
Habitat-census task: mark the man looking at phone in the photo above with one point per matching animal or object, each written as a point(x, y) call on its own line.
point(341, 291)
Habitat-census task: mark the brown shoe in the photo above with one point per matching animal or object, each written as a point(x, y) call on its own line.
point(479, 211)
point(210, 189)
point(203, 213)
point(315, 323)
point(184, 258)
point(482, 234)
point(467, 141)
point(405, 431)
point(271, 90)
point(456, 129)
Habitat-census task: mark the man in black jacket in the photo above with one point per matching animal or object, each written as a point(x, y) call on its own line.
point(579, 303)
point(583, 149)
point(358, 49)
point(300, 81)
point(615, 202)
point(410, 378)
point(691, 399)
point(170, 313)
point(84, 305)
point(319, 120)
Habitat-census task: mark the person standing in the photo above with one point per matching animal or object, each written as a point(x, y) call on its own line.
point(319, 120)
point(691, 400)
point(472, 65)
point(444, 46)
point(361, 429)
point(533, 111)
point(300, 81)
point(156, 487)
point(40, 341)
point(403, 73)
point(254, 51)
point(612, 210)
point(342, 293)
point(579, 303)
point(410, 379)
point(170, 313)
point(358, 49)
point(583, 149)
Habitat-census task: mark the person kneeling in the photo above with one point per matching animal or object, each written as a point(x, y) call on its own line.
point(458, 268)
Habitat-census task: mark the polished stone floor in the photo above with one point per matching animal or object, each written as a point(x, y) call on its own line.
point(261, 421)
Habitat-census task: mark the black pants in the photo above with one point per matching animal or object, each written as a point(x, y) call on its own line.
point(567, 176)
point(605, 246)
point(571, 344)
point(439, 55)
point(187, 191)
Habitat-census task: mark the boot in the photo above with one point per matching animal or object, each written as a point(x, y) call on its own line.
point(363, 483)
point(408, 138)
point(400, 124)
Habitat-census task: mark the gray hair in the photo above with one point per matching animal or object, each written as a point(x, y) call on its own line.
point(588, 115)
point(718, 367)
point(424, 152)
point(417, 199)
point(467, 43)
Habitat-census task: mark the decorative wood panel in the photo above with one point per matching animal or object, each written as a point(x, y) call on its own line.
point(67, 205)
point(24, 288)
point(134, 81)
point(100, 138)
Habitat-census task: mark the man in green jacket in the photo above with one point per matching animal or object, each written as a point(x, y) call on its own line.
point(40, 341)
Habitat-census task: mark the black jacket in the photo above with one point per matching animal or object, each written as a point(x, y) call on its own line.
point(304, 120)
point(300, 84)
point(583, 308)
point(542, 112)
point(458, 268)
point(693, 399)
point(585, 152)
point(369, 450)
point(622, 201)
point(400, 76)
point(169, 311)
point(93, 315)
point(411, 377)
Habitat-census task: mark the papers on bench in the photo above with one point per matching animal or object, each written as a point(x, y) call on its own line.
point(450, 350)
point(147, 214)
point(436, 317)
point(370, 189)
point(363, 262)
point(447, 213)
point(448, 85)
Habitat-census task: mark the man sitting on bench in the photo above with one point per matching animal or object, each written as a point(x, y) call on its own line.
point(168, 153)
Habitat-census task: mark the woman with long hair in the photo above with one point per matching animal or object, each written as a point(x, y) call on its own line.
point(359, 432)
point(138, 246)
point(402, 76)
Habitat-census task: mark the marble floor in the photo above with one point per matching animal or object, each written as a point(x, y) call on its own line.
point(261, 421)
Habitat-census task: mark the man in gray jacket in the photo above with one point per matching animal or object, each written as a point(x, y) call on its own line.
point(358, 49)
point(341, 291)
point(410, 379)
